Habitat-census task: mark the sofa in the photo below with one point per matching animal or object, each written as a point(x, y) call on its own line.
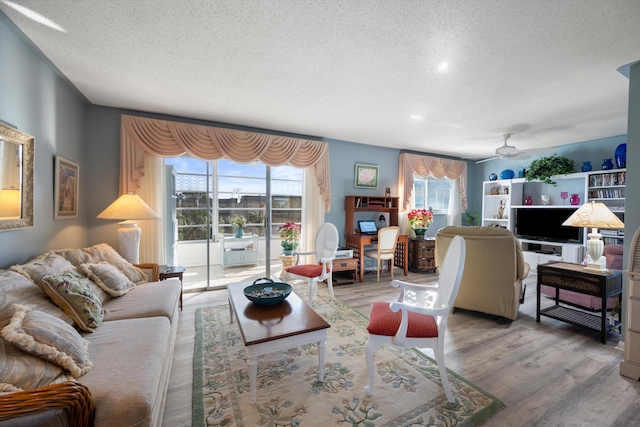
point(494, 269)
point(86, 328)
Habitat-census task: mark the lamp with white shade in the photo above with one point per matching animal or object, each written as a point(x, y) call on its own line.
point(10, 203)
point(595, 215)
point(131, 208)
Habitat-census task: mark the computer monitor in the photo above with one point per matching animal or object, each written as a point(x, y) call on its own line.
point(368, 227)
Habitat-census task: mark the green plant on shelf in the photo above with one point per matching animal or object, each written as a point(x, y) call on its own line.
point(545, 167)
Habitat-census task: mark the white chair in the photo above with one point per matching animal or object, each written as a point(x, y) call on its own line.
point(387, 241)
point(326, 245)
point(418, 319)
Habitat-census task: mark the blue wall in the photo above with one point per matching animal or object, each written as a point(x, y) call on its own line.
point(38, 101)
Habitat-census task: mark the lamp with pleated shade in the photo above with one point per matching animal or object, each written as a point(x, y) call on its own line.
point(131, 208)
point(595, 215)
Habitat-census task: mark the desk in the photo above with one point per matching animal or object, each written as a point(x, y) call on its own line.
point(573, 277)
point(357, 242)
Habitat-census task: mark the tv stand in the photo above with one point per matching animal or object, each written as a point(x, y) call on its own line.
point(536, 252)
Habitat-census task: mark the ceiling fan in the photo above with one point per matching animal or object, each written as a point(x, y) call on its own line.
point(509, 152)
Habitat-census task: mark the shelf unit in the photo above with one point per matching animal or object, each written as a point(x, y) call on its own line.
point(497, 197)
point(239, 250)
point(608, 187)
point(356, 204)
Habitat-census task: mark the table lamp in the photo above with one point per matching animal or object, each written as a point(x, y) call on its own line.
point(129, 207)
point(10, 203)
point(594, 215)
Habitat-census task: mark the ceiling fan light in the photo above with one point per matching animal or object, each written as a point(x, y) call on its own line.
point(507, 150)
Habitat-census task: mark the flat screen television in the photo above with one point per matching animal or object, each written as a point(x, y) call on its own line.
point(545, 224)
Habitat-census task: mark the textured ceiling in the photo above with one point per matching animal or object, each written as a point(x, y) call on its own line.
point(447, 77)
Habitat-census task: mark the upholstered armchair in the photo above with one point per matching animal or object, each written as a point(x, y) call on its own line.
point(494, 269)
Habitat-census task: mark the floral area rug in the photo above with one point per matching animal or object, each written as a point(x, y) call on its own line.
point(407, 390)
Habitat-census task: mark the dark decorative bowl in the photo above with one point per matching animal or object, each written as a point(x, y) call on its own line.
point(267, 292)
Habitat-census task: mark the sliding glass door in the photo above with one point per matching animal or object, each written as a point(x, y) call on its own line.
point(211, 197)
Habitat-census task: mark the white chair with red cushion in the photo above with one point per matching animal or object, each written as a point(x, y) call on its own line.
point(418, 319)
point(326, 245)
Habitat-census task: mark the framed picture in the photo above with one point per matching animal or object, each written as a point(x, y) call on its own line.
point(66, 189)
point(366, 176)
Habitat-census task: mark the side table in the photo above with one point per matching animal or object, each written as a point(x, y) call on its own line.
point(345, 270)
point(422, 256)
point(574, 277)
point(287, 261)
point(171, 272)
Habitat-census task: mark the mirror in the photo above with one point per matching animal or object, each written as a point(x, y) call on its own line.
point(16, 178)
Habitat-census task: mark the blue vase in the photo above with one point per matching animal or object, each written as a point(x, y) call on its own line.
point(586, 167)
point(507, 174)
point(607, 164)
point(621, 156)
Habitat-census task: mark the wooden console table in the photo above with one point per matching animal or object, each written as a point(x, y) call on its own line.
point(358, 241)
point(574, 277)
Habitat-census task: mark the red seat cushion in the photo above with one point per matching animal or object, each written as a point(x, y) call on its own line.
point(385, 322)
point(306, 270)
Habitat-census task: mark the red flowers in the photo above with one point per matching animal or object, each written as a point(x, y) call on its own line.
point(289, 233)
point(420, 218)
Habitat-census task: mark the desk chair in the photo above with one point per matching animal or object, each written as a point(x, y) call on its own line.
point(418, 319)
point(326, 245)
point(387, 241)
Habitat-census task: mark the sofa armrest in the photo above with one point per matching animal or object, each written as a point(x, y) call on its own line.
point(152, 270)
point(72, 397)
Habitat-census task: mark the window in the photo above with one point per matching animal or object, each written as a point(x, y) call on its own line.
point(240, 190)
point(432, 193)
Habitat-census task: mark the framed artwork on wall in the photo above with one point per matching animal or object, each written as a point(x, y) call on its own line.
point(366, 176)
point(66, 189)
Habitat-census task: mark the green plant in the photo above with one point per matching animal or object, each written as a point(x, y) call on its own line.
point(545, 167)
point(472, 217)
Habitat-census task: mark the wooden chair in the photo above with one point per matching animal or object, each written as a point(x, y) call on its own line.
point(418, 319)
point(326, 245)
point(387, 241)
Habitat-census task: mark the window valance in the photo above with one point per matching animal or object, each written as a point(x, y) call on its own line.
point(172, 139)
point(423, 166)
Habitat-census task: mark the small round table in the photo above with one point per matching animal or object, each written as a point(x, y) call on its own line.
point(287, 261)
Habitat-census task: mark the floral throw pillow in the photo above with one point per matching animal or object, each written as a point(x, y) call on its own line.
point(48, 338)
point(108, 277)
point(71, 292)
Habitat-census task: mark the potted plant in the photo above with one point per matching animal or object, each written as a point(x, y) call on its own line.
point(545, 167)
point(289, 236)
point(472, 217)
point(238, 223)
point(420, 220)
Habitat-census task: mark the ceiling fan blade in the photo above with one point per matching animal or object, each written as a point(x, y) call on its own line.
point(486, 160)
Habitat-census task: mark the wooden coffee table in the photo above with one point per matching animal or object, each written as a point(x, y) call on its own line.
point(275, 328)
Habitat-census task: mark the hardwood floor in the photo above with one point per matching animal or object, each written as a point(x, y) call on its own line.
point(547, 374)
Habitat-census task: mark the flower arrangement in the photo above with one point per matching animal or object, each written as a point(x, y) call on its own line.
point(289, 233)
point(238, 221)
point(420, 218)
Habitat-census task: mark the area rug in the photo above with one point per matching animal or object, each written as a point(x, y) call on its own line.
point(407, 389)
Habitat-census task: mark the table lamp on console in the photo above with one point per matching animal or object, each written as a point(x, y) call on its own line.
point(131, 208)
point(594, 215)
